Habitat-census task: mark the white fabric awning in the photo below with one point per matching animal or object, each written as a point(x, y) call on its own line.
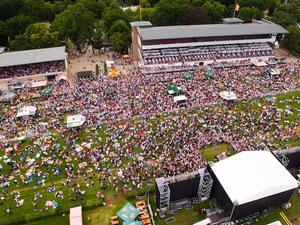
point(26, 111)
point(109, 63)
point(203, 222)
point(180, 98)
point(76, 216)
point(274, 72)
point(228, 95)
point(275, 223)
point(252, 175)
point(61, 77)
point(40, 83)
point(260, 63)
point(75, 121)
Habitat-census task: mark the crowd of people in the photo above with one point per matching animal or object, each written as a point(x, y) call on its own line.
point(136, 132)
point(32, 69)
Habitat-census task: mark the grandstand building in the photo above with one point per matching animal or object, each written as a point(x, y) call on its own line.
point(202, 44)
point(37, 63)
point(249, 182)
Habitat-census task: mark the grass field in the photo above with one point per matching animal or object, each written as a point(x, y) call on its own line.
point(292, 213)
point(211, 152)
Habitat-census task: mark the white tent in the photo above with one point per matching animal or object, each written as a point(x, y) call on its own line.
point(61, 77)
point(75, 120)
point(109, 63)
point(275, 223)
point(252, 175)
point(26, 111)
point(260, 63)
point(206, 221)
point(76, 216)
point(228, 95)
point(40, 83)
point(274, 72)
point(180, 98)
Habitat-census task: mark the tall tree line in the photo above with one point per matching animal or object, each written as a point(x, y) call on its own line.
point(26, 24)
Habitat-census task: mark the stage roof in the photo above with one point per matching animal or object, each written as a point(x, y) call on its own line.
point(208, 30)
point(252, 175)
point(32, 56)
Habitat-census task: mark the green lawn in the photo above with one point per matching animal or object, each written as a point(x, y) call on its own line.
point(292, 213)
point(211, 152)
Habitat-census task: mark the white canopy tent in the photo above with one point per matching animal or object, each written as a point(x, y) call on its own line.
point(180, 98)
point(253, 175)
point(26, 111)
point(275, 72)
point(228, 95)
point(260, 63)
point(75, 120)
point(109, 63)
point(76, 216)
point(40, 83)
point(206, 221)
point(275, 223)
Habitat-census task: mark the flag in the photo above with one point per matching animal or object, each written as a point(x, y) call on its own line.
point(237, 7)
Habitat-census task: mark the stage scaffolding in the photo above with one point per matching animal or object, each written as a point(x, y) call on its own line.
point(282, 158)
point(203, 193)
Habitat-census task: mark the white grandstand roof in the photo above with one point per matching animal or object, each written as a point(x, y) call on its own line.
point(209, 30)
point(32, 56)
point(252, 175)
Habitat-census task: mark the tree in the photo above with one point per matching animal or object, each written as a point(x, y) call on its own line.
point(98, 35)
point(37, 35)
point(3, 34)
point(167, 14)
point(247, 14)
point(291, 40)
point(215, 10)
point(145, 3)
point(195, 15)
point(37, 10)
point(10, 8)
point(93, 6)
point(120, 42)
point(121, 27)
point(284, 19)
point(75, 23)
point(97, 69)
point(16, 25)
point(111, 15)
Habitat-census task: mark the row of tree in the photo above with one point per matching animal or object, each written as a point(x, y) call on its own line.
point(26, 24)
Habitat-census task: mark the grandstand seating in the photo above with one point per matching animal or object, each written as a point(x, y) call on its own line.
point(205, 53)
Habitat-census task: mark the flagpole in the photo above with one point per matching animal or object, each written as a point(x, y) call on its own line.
point(234, 11)
point(140, 11)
